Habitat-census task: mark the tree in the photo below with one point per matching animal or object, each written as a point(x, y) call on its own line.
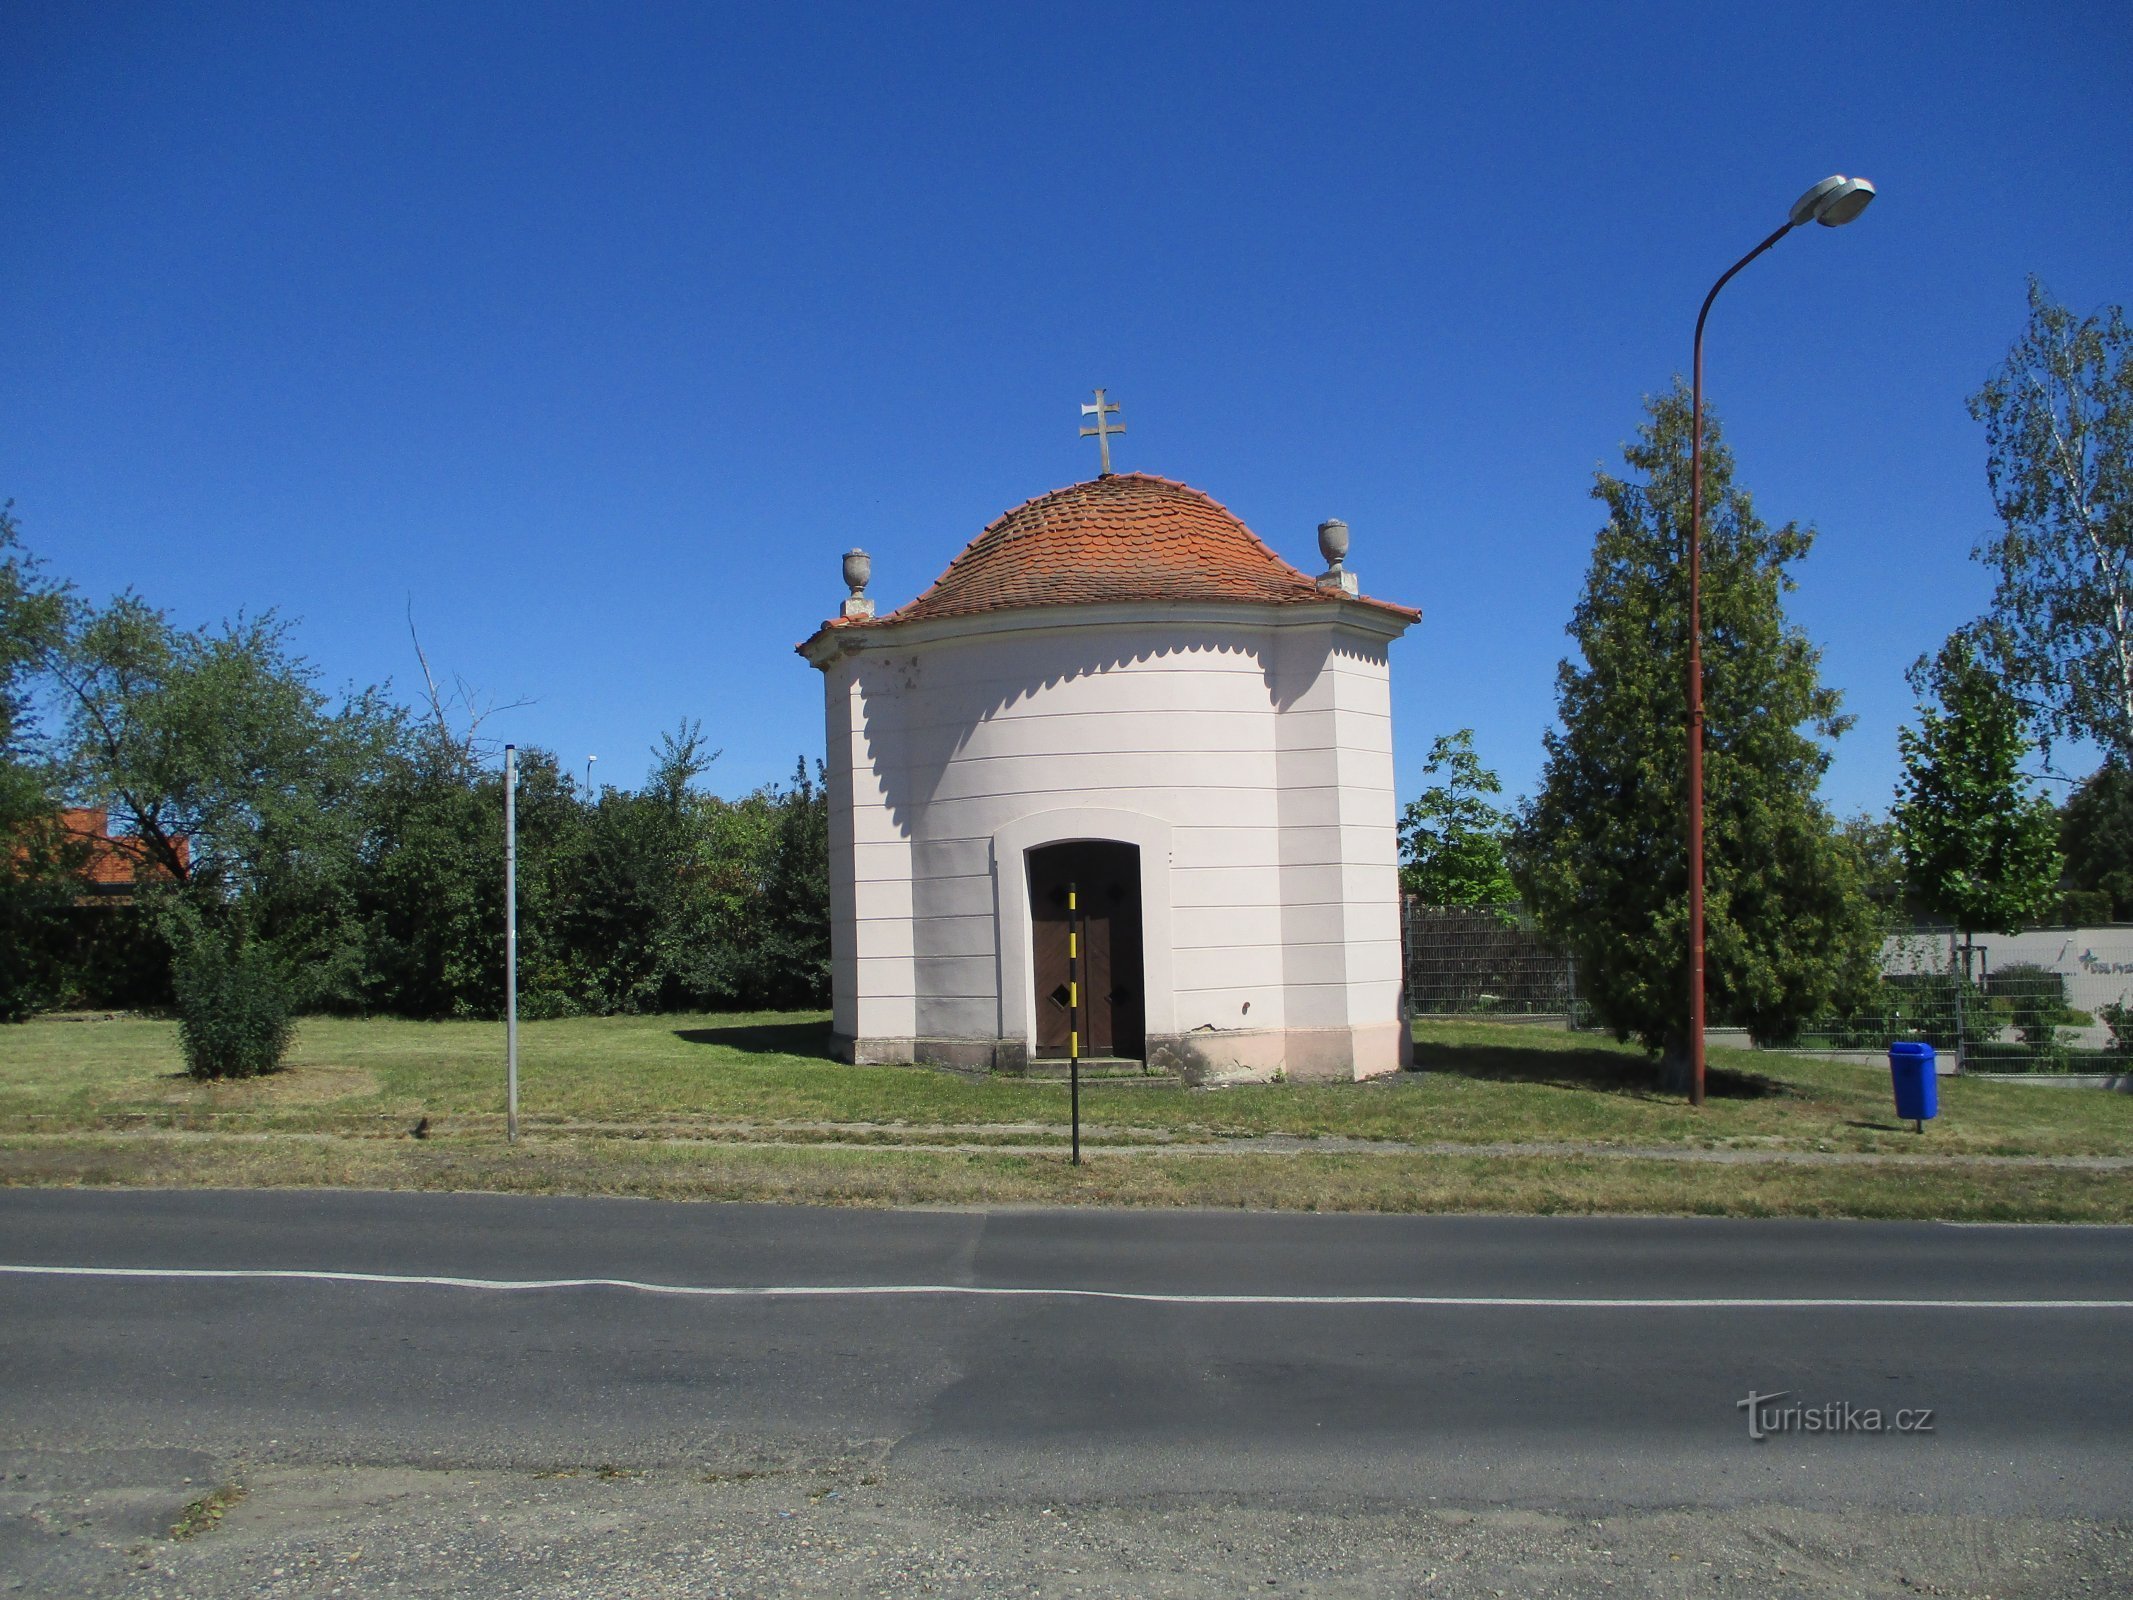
point(2096, 831)
point(2058, 418)
point(1879, 854)
point(1980, 846)
point(631, 910)
point(239, 783)
point(795, 948)
point(1452, 838)
point(1600, 852)
point(36, 856)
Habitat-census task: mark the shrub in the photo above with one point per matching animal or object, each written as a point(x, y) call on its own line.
point(234, 1003)
point(2118, 1017)
point(2084, 908)
point(2033, 999)
point(1908, 1005)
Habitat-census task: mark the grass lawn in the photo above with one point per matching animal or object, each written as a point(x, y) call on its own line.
point(728, 1106)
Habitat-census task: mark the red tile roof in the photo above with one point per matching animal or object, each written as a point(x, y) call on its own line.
point(1125, 537)
point(113, 862)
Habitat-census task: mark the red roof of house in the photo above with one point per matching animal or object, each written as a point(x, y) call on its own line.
point(113, 862)
point(1124, 537)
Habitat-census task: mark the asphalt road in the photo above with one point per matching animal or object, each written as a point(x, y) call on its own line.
point(1330, 1366)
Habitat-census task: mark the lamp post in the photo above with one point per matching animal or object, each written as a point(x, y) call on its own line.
point(1832, 202)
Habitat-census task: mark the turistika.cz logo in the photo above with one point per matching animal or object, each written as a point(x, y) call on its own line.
point(1766, 1417)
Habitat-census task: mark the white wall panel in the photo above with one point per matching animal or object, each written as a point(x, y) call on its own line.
point(1201, 845)
point(1226, 886)
point(1227, 1007)
point(1225, 927)
point(1259, 755)
point(954, 936)
point(970, 977)
point(1236, 967)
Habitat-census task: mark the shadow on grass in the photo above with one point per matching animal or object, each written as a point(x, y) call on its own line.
point(1597, 1071)
point(808, 1039)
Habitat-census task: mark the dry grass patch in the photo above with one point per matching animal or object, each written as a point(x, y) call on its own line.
point(891, 1177)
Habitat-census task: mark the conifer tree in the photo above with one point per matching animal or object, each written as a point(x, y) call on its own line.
point(1600, 852)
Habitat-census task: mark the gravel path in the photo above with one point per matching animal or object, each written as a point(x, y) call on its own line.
point(851, 1528)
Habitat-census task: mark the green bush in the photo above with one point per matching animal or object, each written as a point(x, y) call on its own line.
point(2033, 999)
point(2084, 908)
point(1906, 1005)
point(234, 1000)
point(2118, 1017)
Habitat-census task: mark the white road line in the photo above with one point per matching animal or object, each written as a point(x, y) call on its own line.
point(795, 1291)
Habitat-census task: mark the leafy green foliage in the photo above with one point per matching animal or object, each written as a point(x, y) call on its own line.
point(2118, 1017)
point(1878, 850)
point(1600, 852)
point(33, 614)
point(2033, 1000)
point(236, 1004)
point(2058, 418)
point(2096, 832)
point(1980, 846)
point(1452, 838)
point(36, 856)
point(331, 852)
point(1941, 1008)
point(663, 899)
point(221, 739)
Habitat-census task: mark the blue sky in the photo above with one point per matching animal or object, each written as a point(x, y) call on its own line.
point(600, 333)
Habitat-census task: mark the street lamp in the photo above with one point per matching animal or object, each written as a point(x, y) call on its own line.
point(1832, 202)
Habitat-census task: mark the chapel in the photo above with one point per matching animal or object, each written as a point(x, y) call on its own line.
point(1117, 687)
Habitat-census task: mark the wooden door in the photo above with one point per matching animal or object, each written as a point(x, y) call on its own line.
point(1106, 877)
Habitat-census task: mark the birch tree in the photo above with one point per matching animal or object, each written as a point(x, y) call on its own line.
point(2058, 416)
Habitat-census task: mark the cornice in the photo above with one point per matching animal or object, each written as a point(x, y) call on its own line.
point(1339, 613)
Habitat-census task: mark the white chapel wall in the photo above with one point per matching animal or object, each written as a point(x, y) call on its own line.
point(1265, 752)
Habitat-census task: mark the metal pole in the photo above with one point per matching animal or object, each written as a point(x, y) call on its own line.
point(1696, 1011)
point(1962, 1040)
point(511, 943)
point(1074, 1014)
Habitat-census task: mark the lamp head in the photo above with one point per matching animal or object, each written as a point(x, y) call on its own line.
point(1833, 202)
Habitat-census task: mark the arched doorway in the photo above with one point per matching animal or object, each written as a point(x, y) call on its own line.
point(1107, 878)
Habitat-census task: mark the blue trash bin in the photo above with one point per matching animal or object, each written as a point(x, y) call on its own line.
point(1917, 1085)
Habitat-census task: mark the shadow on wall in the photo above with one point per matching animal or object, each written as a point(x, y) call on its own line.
point(913, 757)
point(809, 1039)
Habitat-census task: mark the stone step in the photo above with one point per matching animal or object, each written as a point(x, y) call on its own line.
point(1122, 1069)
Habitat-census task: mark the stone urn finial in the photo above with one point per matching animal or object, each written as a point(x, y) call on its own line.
point(858, 571)
point(1333, 541)
point(1333, 545)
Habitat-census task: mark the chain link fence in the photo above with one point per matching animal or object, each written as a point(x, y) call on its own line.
point(2011, 1014)
point(2020, 1013)
point(1483, 961)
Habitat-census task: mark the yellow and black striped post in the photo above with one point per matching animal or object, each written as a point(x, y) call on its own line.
point(1074, 1014)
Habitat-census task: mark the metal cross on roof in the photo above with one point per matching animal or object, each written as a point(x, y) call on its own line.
point(1103, 411)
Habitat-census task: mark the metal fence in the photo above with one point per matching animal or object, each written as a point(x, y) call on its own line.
point(2007, 1016)
point(1482, 961)
point(2011, 1016)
